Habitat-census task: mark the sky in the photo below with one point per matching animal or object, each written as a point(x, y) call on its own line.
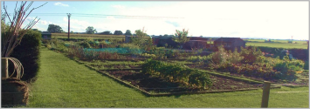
point(245, 19)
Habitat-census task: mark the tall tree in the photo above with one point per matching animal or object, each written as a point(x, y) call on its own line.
point(54, 28)
point(181, 37)
point(118, 32)
point(91, 30)
point(128, 32)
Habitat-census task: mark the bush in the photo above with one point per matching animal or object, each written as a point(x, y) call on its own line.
point(28, 54)
point(220, 56)
point(288, 68)
point(251, 62)
point(250, 55)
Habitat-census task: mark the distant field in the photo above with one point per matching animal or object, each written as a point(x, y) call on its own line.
point(84, 36)
point(278, 45)
point(279, 41)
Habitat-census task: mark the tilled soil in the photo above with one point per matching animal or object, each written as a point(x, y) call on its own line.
point(154, 84)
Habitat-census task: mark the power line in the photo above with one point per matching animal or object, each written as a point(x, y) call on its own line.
point(102, 15)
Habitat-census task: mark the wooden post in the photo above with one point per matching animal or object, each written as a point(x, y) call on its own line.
point(69, 15)
point(266, 91)
point(4, 68)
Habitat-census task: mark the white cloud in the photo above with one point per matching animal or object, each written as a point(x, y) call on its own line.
point(229, 18)
point(118, 6)
point(61, 4)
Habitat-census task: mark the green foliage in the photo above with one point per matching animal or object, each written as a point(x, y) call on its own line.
point(118, 32)
point(91, 30)
point(177, 73)
point(160, 53)
point(200, 59)
point(28, 53)
point(148, 45)
point(234, 57)
point(129, 45)
point(181, 36)
point(139, 38)
point(148, 55)
point(220, 56)
point(4, 26)
point(87, 43)
point(54, 28)
point(252, 62)
point(128, 32)
point(288, 68)
point(250, 55)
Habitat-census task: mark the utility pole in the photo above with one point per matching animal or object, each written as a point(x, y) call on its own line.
point(69, 15)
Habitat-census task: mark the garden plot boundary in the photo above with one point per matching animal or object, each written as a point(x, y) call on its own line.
point(184, 92)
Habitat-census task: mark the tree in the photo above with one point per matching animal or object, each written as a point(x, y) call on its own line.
point(90, 30)
point(181, 37)
point(54, 28)
point(106, 33)
point(139, 39)
point(118, 32)
point(128, 32)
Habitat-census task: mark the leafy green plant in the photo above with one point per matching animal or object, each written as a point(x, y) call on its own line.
point(250, 55)
point(181, 37)
point(288, 68)
point(220, 56)
point(177, 73)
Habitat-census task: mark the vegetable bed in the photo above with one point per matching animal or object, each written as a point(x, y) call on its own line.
point(154, 84)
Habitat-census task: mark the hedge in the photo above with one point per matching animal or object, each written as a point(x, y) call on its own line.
point(28, 53)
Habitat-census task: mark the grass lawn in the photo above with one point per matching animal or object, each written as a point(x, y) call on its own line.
point(64, 83)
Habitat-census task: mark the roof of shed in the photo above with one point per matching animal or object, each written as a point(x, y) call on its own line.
point(227, 39)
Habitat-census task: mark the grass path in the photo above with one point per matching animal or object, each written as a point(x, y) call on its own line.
point(64, 83)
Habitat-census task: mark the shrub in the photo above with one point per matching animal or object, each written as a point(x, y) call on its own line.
point(177, 73)
point(250, 55)
point(220, 56)
point(251, 62)
point(85, 44)
point(288, 68)
point(28, 54)
point(234, 57)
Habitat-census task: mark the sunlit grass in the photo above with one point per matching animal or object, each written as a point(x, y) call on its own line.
point(278, 45)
